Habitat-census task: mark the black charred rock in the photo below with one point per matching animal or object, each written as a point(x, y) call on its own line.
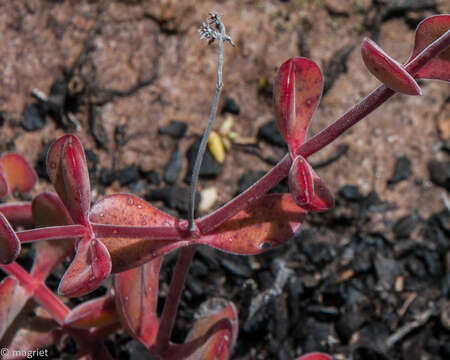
point(404, 226)
point(351, 193)
point(33, 118)
point(175, 129)
point(92, 161)
point(41, 162)
point(106, 177)
point(348, 324)
point(195, 287)
point(128, 175)
point(210, 168)
point(230, 106)
point(318, 253)
point(269, 132)
point(236, 267)
point(96, 127)
point(120, 135)
point(440, 173)
point(152, 177)
point(416, 267)
point(134, 350)
point(387, 270)
point(445, 289)
point(248, 179)
point(3, 118)
point(175, 197)
point(173, 167)
point(402, 170)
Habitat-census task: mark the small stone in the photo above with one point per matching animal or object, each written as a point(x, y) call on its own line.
point(433, 262)
point(152, 177)
point(128, 175)
point(248, 179)
point(134, 351)
point(96, 127)
point(351, 193)
point(318, 253)
point(175, 129)
point(387, 270)
point(230, 106)
point(236, 268)
point(173, 167)
point(2, 118)
point(445, 289)
point(175, 197)
point(120, 135)
point(440, 173)
point(402, 170)
point(208, 198)
point(41, 162)
point(264, 279)
point(269, 132)
point(32, 117)
point(199, 269)
point(404, 226)
point(106, 177)
point(348, 324)
point(195, 287)
point(92, 161)
point(323, 313)
point(210, 168)
point(416, 267)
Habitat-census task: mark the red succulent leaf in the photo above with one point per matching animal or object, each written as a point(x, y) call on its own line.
point(137, 299)
point(17, 213)
point(428, 31)
point(297, 91)
point(307, 189)
point(127, 209)
point(387, 70)
point(48, 210)
point(267, 222)
point(68, 171)
point(9, 242)
point(13, 298)
point(3, 185)
point(90, 266)
point(98, 312)
point(214, 333)
point(32, 331)
point(18, 173)
point(315, 356)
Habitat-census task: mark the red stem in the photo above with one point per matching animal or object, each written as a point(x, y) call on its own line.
point(51, 233)
point(18, 213)
point(39, 291)
point(209, 222)
point(176, 288)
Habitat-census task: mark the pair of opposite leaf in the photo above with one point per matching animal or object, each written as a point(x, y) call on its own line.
point(15, 175)
point(298, 88)
point(134, 305)
point(394, 75)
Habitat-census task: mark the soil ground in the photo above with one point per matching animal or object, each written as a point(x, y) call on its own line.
point(359, 275)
